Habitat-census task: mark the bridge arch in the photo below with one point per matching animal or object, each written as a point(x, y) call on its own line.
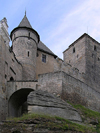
point(17, 103)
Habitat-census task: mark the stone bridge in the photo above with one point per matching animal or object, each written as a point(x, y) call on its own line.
point(17, 93)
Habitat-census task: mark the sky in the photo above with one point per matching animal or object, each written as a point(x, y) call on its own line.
point(58, 22)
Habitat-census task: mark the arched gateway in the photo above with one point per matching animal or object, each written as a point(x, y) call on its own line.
point(17, 104)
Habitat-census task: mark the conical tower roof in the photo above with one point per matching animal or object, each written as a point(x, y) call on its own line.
point(25, 23)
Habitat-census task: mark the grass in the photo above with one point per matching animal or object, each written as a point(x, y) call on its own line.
point(87, 112)
point(59, 124)
point(52, 123)
point(88, 116)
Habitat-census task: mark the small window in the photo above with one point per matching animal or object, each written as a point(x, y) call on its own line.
point(28, 54)
point(11, 79)
point(29, 35)
point(73, 50)
point(95, 48)
point(43, 58)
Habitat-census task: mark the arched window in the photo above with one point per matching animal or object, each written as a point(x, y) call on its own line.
point(11, 79)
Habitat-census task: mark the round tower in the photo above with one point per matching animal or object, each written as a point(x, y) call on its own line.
point(24, 43)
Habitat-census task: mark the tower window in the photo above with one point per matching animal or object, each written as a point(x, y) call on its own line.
point(43, 58)
point(73, 50)
point(28, 54)
point(29, 35)
point(95, 48)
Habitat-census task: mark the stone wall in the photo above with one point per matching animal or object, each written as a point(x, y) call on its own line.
point(17, 85)
point(93, 63)
point(51, 82)
point(80, 93)
point(70, 88)
point(75, 54)
point(24, 43)
point(84, 55)
point(4, 31)
point(10, 68)
point(3, 103)
point(10, 65)
point(17, 93)
point(60, 65)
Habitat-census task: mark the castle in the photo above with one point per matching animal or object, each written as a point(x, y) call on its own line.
point(29, 65)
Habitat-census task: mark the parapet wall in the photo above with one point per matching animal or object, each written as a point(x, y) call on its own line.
point(70, 88)
point(60, 65)
point(51, 82)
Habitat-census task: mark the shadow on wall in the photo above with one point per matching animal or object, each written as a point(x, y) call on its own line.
point(17, 104)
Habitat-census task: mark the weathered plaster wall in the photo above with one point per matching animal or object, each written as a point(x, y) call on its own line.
point(42, 67)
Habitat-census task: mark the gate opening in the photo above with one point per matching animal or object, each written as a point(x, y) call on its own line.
point(18, 102)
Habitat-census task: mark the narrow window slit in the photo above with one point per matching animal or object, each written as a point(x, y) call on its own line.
point(28, 54)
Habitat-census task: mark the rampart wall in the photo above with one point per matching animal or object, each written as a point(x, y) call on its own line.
point(60, 65)
point(70, 88)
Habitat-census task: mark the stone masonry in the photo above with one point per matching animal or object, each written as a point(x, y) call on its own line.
point(29, 65)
